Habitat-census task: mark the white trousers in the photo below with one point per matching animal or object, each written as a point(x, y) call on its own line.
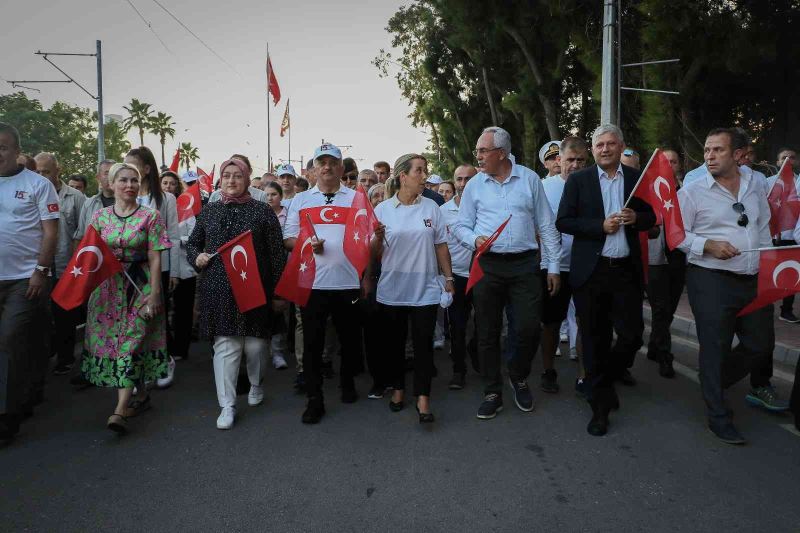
point(227, 357)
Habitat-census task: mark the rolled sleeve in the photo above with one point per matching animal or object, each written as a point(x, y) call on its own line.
point(464, 228)
point(549, 235)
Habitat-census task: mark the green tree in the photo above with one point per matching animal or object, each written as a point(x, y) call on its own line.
point(139, 116)
point(161, 124)
point(188, 154)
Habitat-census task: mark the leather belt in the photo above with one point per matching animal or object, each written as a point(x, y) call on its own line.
point(615, 262)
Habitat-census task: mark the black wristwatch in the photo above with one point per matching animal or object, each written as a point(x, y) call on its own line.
point(47, 271)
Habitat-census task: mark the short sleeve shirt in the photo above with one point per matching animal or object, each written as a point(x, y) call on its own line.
point(409, 268)
point(460, 255)
point(26, 198)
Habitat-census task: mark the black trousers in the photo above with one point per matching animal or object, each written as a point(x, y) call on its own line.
point(423, 321)
point(610, 301)
point(716, 298)
point(664, 289)
point(182, 317)
point(458, 316)
point(372, 327)
point(340, 305)
point(794, 401)
point(511, 279)
point(63, 338)
point(788, 303)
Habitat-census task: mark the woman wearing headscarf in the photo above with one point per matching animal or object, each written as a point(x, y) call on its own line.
point(415, 252)
point(235, 333)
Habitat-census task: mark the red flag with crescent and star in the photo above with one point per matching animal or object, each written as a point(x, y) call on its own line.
point(778, 277)
point(272, 83)
point(358, 230)
point(298, 276)
point(92, 264)
point(239, 258)
point(475, 271)
point(206, 181)
point(189, 203)
point(658, 187)
point(784, 204)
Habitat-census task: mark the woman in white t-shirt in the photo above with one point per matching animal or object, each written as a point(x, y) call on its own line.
point(414, 253)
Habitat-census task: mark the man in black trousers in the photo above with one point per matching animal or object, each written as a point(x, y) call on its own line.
point(606, 267)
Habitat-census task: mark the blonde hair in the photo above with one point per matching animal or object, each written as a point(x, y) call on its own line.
point(117, 167)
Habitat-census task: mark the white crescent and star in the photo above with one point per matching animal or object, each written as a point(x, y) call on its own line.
point(323, 216)
point(794, 265)
point(657, 189)
point(191, 203)
point(76, 270)
point(360, 213)
point(239, 249)
point(303, 265)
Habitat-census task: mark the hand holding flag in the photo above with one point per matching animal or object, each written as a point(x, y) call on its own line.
point(475, 271)
point(658, 187)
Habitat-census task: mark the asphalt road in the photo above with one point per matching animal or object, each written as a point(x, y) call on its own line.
point(367, 469)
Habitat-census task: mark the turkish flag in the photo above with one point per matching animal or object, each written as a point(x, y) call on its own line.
point(189, 203)
point(206, 182)
point(297, 279)
point(272, 83)
point(360, 225)
point(475, 271)
point(92, 264)
point(239, 258)
point(659, 188)
point(326, 214)
point(784, 204)
point(778, 277)
point(176, 159)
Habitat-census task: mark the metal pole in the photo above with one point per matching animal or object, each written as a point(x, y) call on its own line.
point(269, 148)
point(101, 136)
point(618, 81)
point(607, 87)
point(290, 131)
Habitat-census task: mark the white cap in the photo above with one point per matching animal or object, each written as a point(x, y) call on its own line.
point(548, 150)
point(189, 176)
point(434, 179)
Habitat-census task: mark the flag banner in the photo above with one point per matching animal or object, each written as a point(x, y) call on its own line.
point(272, 83)
point(206, 182)
point(239, 258)
point(784, 203)
point(475, 271)
point(778, 277)
point(659, 188)
point(358, 230)
point(92, 264)
point(298, 276)
point(189, 203)
point(285, 121)
point(176, 160)
point(328, 214)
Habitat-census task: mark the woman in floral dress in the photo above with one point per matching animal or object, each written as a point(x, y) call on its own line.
point(125, 343)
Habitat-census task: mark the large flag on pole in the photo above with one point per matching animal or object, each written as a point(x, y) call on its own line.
point(475, 271)
point(92, 264)
point(243, 274)
point(272, 83)
point(285, 121)
point(778, 277)
point(176, 159)
point(784, 204)
point(659, 188)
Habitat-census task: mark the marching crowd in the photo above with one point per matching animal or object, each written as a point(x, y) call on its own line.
point(495, 252)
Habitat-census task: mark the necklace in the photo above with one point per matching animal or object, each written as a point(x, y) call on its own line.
point(121, 217)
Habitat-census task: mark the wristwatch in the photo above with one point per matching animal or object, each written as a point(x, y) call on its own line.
point(47, 271)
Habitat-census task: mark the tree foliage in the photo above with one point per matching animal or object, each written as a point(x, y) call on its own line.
point(188, 154)
point(161, 124)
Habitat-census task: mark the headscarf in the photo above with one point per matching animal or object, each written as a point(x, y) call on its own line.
point(245, 196)
point(374, 189)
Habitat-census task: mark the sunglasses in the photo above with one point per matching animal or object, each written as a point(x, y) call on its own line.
point(628, 152)
point(350, 178)
point(743, 220)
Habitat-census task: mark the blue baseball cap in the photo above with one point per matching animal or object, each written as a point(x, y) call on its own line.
point(190, 176)
point(327, 149)
point(285, 169)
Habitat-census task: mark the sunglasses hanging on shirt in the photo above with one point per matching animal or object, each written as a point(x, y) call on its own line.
point(743, 220)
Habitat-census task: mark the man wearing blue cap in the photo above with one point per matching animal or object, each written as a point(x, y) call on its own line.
point(336, 286)
point(287, 179)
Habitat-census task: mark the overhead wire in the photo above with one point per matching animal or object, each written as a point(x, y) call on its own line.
point(150, 27)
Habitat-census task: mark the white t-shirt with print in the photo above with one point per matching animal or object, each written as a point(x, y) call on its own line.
point(333, 270)
point(460, 255)
point(26, 199)
point(409, 268)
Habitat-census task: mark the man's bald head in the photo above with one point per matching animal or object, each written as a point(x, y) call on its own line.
point(461, 176)
point(47, 166)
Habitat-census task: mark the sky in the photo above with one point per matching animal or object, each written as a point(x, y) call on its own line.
point(321, 53)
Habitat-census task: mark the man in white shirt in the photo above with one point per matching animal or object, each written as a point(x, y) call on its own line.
point(28, 234)
point(724, 213)
point(786, 237)
point(511, 267)
point(335, 292)
point(461, 258)
point(70, 203)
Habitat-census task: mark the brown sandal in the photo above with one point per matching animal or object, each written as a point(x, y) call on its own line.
point(117, 424)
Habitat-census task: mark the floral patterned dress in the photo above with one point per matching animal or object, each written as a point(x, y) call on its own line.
point(122, 348)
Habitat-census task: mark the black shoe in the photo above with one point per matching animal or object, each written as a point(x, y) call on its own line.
point(457, 382)
point(425, 418)
point(550, 381)
point(300, 383)
point(788, 316)
point(665, 369)
point(580, 387)
point(375, 393)
point(492, 404)
point(62, 369)
point(396, 407)
point(727, 434)
point(522, 395)
point(314, 411)
point(652, 356)
point(326, 369)
point(598, 425)
point(627, 378)
point(349, 395)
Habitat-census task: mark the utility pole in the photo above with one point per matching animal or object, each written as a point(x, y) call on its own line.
point(608, 90)
point(101, 134)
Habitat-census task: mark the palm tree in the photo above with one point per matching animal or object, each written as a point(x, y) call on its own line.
point(188, 154)
point(139, 114)
point(161, 125)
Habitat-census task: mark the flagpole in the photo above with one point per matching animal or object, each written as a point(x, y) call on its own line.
point(269, 150)
point(646, 167)
point(769, 248)
point(290, 131)
point(133, 283)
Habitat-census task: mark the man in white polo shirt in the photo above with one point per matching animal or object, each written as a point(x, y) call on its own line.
point(336, 286)
point(28, 234)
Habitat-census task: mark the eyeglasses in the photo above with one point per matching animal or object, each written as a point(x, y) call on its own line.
point(463, 177)
point(484, 151)
point(350, 178)
point(743, 220)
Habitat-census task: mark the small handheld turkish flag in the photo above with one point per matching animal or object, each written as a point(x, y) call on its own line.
point(658, 187)
point(297, 279)
point(784, 204)
point(92, 264)
point(176, 160)
point(778, 277)
point(239, 258)
point(206, 182)
point(189, 203)
point(358, 230)
point(475, 271)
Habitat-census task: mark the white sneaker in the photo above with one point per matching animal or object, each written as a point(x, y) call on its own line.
point(163, 383)
point(573, 354)
point(438, 345)
point(279, 362)
point(558, 351)
point(226, 417)
point(564, 337)
point(256, 395)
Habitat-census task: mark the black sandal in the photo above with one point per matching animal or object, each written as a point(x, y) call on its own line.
point(117, 423)
point(139, 406)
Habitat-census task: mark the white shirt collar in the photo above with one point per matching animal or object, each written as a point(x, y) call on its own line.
point(745, 174)
point(396, 201)
point(602, 173)
point(315, 190)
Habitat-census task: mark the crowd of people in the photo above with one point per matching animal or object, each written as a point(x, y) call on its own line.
point(559, 258)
